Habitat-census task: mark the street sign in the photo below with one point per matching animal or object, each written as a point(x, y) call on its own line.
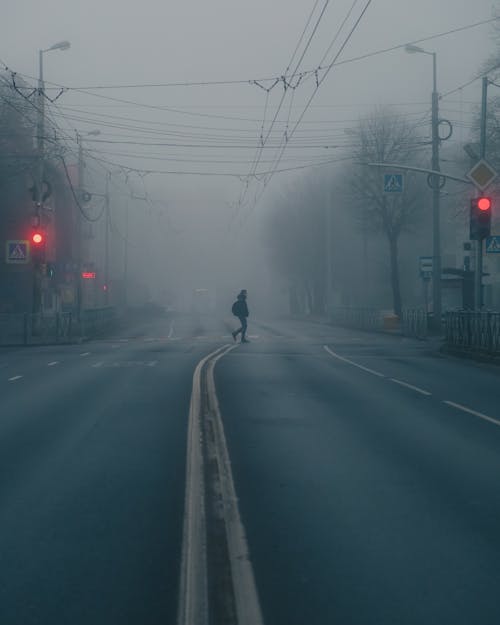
point(493, 245)
point(393, 183)
point(17, 252)
point(426, 264)
point(482, 174)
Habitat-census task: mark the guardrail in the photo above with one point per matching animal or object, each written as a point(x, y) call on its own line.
point(44, 329)
point(473, 330)
point(414, 322)
point(360, 318)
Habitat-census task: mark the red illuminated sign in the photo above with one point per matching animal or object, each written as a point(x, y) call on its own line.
point(88, 275)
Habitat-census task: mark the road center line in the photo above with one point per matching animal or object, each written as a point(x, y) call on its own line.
point(354, 364)
point(413, 388)
point(14, 378)
point(472, 412)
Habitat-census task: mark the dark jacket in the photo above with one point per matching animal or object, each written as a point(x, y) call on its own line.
point(240, 308)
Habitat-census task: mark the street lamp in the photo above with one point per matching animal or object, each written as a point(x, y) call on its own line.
point(61, 45)
point(435, 183)
point(81, 250)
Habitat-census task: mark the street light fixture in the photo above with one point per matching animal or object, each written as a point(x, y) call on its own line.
point(61, 45)
point(435, 183)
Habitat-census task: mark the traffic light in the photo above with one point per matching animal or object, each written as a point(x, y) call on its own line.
point(480, 218)
point(38, 245)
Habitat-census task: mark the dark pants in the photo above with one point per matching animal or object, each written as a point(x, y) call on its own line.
point(243, 329)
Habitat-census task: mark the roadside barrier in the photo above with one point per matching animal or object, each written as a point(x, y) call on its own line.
point(473, 330)
point(56, 328)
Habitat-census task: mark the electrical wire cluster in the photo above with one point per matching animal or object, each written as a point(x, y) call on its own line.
point(281, 139)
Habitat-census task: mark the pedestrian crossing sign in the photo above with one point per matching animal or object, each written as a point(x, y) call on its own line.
point(17, 252)
point(393, 183)
point(493, 245)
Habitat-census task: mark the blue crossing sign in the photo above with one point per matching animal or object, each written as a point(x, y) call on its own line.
point(493, 245)
point(393, 183)
point(17, 252)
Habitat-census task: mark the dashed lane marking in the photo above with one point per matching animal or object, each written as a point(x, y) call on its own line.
point(15, 377)
point(472, 412)
point(53, 363)
point(413, 388)
point(85, 354)
point(354, 364)
point(97, 364)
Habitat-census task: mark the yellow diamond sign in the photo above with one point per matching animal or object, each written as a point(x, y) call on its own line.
point(482, 174)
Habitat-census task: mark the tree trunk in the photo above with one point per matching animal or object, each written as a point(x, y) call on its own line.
point(396, 291)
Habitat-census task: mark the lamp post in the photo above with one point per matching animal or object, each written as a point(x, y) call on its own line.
point(39, 199)
point(434, 181)
point(81, 252)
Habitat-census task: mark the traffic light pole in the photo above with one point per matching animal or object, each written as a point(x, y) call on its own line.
point(436, 198)
point(478, 282)
point(106, 246)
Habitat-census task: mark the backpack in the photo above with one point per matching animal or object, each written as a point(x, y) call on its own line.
point(236, 308)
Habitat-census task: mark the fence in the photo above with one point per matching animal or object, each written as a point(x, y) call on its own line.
point(43, 329)
point(414, 323)
point(360, 318)
point(475, 331)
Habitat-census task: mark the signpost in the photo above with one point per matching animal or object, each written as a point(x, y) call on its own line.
point(482, 174)
point(493, 245)
point(426, 265)
point(17, 252)
point(393, 183)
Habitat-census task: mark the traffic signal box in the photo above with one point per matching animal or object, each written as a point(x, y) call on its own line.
point(480, 218)
point(38, 246)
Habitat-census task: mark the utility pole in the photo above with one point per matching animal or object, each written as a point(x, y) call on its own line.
point(38, 195)
point(125, 257)
point(106, 244)
point(436, 197)
point(79, 244)
point(478, 282)
point(328, 245)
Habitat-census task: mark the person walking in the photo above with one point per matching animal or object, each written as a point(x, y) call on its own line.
point(240, 310)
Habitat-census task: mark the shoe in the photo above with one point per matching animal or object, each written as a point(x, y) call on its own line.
point(245, 341)
point(233, 334)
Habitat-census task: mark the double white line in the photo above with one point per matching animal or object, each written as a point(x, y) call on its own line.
point(193, 598)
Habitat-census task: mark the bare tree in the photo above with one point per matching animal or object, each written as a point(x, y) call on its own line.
point(386, 137)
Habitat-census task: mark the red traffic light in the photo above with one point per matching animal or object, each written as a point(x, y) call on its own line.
point(484, 203)
point(37, 238)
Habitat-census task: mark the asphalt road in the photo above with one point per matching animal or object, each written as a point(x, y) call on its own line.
point(366, 468)
point(367, 476)
point(92, 464)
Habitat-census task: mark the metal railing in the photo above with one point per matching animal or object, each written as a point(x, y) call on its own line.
point(414, 322)
point(56, 328)
point(473, 330)
point(360, 318)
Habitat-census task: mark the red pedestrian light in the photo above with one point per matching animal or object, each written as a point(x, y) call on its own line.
point(484, 203)
point(37, 238)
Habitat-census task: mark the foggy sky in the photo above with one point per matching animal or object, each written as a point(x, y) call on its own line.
point(117, 42)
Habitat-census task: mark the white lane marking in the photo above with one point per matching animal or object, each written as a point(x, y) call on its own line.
point(51, 364)
point(413, 388)
point(472, 412)
point(171, 330)
point(85, 354)
point(152, 363)
point(193, 582)
point(245, 589)
point(354, 364)
point(98, 364)
point(14, 378)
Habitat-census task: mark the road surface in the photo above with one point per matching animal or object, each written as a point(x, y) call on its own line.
point(365, 466)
